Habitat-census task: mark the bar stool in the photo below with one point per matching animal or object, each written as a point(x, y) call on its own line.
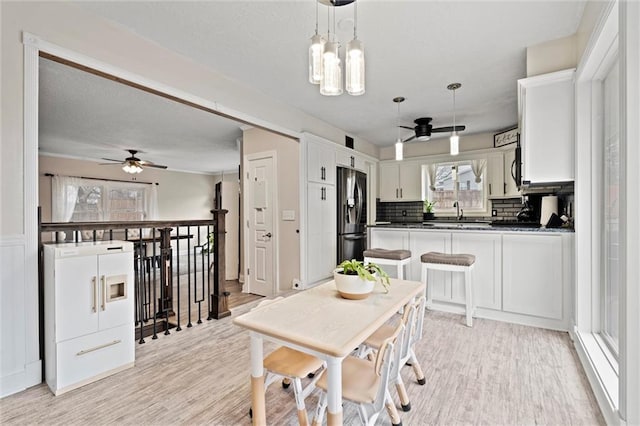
point(453, 263)
point(399, 258)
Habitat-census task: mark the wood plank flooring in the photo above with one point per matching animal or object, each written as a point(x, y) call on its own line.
point(493, 373)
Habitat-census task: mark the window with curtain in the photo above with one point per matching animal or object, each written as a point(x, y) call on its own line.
point(88, 200)
point(461, 181)
point(610, 284)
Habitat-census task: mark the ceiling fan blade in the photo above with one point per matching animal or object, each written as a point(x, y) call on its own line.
point(110, 164)
point(448, 129)
point(409, 139)
point(157, 166)
point(111, 159)
point(405, 127)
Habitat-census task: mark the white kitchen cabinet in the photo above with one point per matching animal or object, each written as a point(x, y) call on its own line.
point(390, 240)
point(321, 231)
point(501, 183)
point(400, 181)
point(487, 272)
point(89, 312)
point(351, 160)
point(532, 271)
point(495, 175)
point(423, 242)
point(321, 163)
point(511, 190)
point(546, 114)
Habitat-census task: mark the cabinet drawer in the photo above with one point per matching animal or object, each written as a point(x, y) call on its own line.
point(91, 357)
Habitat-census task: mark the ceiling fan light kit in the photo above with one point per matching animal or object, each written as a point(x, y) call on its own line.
point(325, 65)
point(133, 165)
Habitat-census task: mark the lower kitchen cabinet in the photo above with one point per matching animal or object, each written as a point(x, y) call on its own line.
point(520, 277)
point(390, 240)
point(487, 273)
point(533, 275)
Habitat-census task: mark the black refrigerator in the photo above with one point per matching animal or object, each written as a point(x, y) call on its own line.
point(352, 214)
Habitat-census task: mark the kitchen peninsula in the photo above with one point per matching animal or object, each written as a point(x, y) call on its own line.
point(505, 285)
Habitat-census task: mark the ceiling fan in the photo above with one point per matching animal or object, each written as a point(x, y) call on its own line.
point(133, 164)
point(423, 129)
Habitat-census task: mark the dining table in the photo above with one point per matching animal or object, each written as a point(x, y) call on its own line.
point(318, 321)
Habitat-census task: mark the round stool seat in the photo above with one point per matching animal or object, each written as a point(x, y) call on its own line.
point(458, 259)
point(380, 253)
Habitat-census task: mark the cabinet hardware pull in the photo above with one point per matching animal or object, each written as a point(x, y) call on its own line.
point(505, 187)
point(400, 192)
point(95, 348)
point(490, 189)
point(115, 248)
point(397, 193)
point(104, 292)
point(94, 284)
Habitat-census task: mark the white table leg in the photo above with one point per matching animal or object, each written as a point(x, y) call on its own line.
point(257, 380)
point(334, 391)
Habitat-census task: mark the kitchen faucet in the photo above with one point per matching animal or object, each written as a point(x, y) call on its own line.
point(459, 211)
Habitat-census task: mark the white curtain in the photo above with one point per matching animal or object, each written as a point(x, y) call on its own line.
point(151, 203)
point(64, 195)
point(431, 171)
point(478, 167)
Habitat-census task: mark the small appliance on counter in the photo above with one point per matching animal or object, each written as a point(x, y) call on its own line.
point(527, 213)
point(549, 206)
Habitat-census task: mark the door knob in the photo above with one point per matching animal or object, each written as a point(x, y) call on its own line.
point(268, 235)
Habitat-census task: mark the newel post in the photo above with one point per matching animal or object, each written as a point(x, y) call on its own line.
point(219, 298)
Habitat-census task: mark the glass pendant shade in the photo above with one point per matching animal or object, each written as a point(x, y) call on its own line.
point(132, 168)
point(399, 148)
point(454, 142)
point(316, 50)
point(331, 84)
point(355, 67)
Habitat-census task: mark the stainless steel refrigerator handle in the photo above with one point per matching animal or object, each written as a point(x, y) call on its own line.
point(359, 203)
point(354, 237)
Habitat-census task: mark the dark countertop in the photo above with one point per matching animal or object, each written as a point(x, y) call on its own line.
point(467, 226)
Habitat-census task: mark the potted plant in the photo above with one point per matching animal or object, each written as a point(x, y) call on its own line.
point(355, 280)
point(427, 209)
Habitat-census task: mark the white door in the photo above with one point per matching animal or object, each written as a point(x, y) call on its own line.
point(260, 187)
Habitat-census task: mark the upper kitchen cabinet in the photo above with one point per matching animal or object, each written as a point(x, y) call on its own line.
point(546, 115)
point(501, 174)
point(400, 181)
point(321, 164)
point(350, 159)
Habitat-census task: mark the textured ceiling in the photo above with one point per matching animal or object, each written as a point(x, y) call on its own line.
point(86, 116)
point(413, 49)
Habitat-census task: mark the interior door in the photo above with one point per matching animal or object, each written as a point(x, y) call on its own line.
point(260, 186)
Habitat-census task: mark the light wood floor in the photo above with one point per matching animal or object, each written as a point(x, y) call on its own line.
point(493, 373)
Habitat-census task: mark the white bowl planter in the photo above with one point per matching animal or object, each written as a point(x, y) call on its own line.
point(352, 286)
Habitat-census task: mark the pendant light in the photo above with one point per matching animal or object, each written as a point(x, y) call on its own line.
point(316, 50)
point(331, 84)
point(454, 140)
point(399, 145)
point(355, 60)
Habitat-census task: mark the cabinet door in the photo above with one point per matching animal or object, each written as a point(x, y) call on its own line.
point(487, 272)
point(510, 188)
point(321, 231)
point(76, 297)
point(532, 275)
point(389, 182)
point(495, 174)
point(547, 121)
point(117, 290)
point(321, 163)
point(423, 242)
point(410, 181)
point(350, 159)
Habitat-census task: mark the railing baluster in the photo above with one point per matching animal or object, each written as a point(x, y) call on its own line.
point(153, 283)
point(189, 275)
point(202, 278)
point(178, 328)
point(209, 248)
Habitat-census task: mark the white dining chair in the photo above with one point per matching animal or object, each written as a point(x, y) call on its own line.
point(291, 366)
point(365, 383)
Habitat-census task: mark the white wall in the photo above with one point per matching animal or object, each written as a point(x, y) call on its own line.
point(76, 29)
point(553, 55)
point(288, 174)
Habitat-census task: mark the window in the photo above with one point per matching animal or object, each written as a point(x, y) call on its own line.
point(610, 283)
point(84, 200)
point(462, 182)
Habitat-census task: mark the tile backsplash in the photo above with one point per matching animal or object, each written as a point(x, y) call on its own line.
point(411, 211)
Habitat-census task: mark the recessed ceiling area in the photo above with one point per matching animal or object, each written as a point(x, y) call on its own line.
point(413, 49)
point(86, 116)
